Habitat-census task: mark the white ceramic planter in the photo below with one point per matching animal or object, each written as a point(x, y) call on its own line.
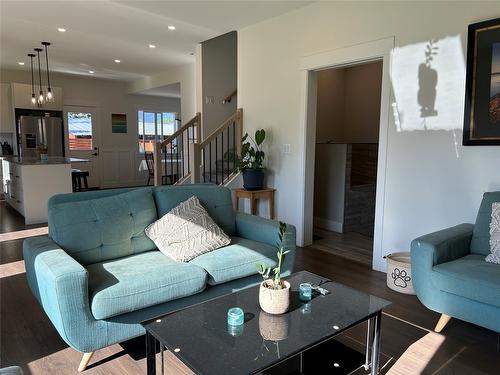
point(274, 301)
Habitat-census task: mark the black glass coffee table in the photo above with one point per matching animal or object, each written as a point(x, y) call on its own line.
point(298, 342)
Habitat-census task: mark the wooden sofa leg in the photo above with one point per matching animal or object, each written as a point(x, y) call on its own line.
point(443, 321)
point(85, 361)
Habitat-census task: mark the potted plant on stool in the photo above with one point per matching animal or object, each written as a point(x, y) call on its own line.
point(250, 163)
point(274, 293)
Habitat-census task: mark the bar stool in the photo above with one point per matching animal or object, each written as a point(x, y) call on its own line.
point(77, 176)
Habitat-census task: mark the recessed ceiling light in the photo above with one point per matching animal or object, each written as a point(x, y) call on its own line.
point(61, 29)
point(152, 46)
point(117, 61)
point(171, 27)
point(91, 72)
point(21, 63)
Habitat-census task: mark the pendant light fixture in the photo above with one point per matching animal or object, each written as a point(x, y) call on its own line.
point(49, 97)
point(41, 98)
point(33, 97)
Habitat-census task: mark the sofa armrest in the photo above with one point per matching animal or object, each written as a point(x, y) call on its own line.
point(259, 229)
point(442, 246)
point(433, 249)
point(60, 284)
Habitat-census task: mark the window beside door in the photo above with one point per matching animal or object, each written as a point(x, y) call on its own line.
point(80, 130)
point(153, 127)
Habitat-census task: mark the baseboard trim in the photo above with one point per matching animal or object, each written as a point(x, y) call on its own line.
point(330, 225)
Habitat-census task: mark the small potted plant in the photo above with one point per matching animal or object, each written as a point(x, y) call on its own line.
point(251, 160)
point(274, 293)
point(42, 151)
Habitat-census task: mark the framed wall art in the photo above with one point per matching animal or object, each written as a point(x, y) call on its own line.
point(482, 95)
point(118, 123)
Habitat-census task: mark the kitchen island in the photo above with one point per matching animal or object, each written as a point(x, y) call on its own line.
point(28, 183)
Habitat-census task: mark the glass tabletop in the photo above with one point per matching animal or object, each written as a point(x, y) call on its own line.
point(201, 338)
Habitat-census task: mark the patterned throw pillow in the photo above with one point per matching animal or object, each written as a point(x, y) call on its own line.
point(186, 232)
point(494, 257)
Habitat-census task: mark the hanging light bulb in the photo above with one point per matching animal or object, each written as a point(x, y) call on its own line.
point(49, 96)
point(33, 98)
point(41, 97)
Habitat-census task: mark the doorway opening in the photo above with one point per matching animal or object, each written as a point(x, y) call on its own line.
point(348, 101)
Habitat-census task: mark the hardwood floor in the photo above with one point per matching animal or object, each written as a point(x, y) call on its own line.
point(351, 245)
point(29, 340)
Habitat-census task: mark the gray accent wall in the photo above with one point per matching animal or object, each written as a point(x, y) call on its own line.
point(219, 79)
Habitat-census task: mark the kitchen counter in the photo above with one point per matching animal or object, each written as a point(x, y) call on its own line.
point(28, 183)
point(36, 161)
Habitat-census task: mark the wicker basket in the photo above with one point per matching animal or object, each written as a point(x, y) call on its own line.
point(399, 272)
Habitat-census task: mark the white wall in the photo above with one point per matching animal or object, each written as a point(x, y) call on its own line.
point(431, 183)
point(363, 84)
point(118, 152)
point(330, 106)
point(185, 75)
point(329, 186)
point(348, 104)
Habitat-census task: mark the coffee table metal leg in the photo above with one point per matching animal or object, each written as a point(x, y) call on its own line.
point(301, 363)
point(369, 338)
point(376, 344)
point(150, 354)
point(162, 360)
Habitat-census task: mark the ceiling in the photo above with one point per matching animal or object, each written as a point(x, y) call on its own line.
point(167, 91)
point(98, 32)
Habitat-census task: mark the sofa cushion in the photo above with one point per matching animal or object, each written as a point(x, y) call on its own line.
point(138, 281)
point(217, 201)
point(99, 229)
point(236, 260)
point(471, 277)
point(480, 243)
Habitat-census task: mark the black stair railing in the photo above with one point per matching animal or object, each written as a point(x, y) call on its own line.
point(218, 150)
point(173, 156)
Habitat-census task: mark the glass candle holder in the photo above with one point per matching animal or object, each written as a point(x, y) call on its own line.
point(305, 292)
point(235, 316)
point(235, 331)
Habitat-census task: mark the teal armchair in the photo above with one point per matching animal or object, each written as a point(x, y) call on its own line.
point(97, 276)
point(451, 276)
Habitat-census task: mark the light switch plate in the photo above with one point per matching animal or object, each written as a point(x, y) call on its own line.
point(286, 148)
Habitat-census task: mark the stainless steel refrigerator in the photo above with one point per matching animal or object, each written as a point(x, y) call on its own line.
point(35, 130)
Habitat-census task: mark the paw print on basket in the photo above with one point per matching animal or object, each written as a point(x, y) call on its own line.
point(400, 277)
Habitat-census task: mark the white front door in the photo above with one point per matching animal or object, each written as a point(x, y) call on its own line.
point(82, 140)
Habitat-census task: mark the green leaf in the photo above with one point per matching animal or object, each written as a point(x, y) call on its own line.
point(260, 135)
point(244, 137)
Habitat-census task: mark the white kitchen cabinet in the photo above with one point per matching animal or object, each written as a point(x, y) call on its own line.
point(29, 183)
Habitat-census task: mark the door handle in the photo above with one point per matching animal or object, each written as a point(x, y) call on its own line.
point(97, 151)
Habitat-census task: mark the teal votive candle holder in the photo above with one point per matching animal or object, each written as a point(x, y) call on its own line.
point(235, 331)
point(235, 316)
point(305, 292)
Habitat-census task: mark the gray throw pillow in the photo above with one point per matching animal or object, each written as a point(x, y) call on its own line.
point(186, 232)
point(494, 257)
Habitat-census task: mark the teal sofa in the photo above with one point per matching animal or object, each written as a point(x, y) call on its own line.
point(450, 275)
point(97, 275)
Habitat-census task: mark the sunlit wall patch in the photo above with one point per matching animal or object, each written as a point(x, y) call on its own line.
point(428, 79)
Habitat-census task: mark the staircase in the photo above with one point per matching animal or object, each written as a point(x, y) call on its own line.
point(184, 158)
